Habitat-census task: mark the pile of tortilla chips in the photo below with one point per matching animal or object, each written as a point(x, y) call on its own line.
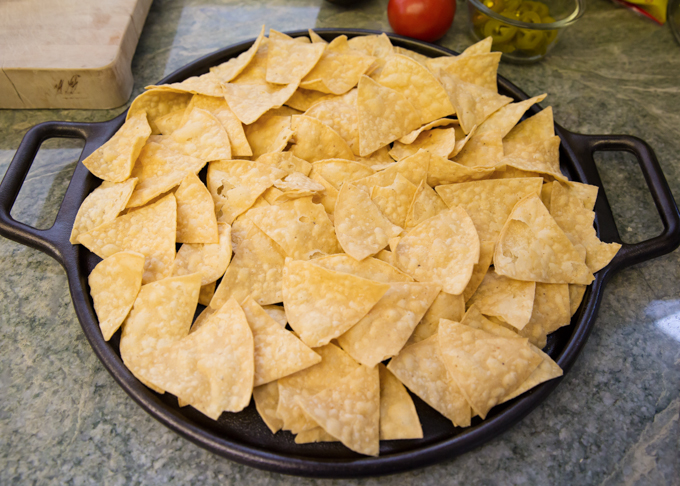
point(354, 220)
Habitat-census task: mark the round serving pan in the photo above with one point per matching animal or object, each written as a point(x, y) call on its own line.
point(243, 437)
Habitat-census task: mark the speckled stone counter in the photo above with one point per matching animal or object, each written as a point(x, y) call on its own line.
point(613, 419)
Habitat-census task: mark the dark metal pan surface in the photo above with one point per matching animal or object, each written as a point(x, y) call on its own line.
point(243, 437)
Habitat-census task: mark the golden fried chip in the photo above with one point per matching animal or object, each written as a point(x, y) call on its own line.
point(297, 185)
point(441, 142)
point(196, 222)
point(101, 206)
point(425, 204)
point(576, 293)
point(418, 85)
point(278, 352)
point(316, 141)
point(480, 69)
point(388, 257)
point(288, 61)
point(445, 306)
point(339, 171)
point(532, 246)
point(170, 122)
point(220, 109)
point(286, 162)
point(300, 227)
point(442, 122)
point(227, 71)
point(542, 156)
point(266, 400)
point(419, 367)
point(255, 270)
point(210, 260)
point(269, 134)
point(443, 171)
point(329, 197)
point(349, 410)
point(378, 160)
point(488, 203)
point(500, 296)
point(339, 113)
point(114, 285)
point(335, 365)
point(398, 416)
point(157, 103)
point(414, 168)
point(550, 312)
point(149, 230)
point(201, 136)
point(250, 101)
point(277, 313)
point(317, 434)
point(416, 56)
point(441, 249)
point(394, 200)
point(541, 126)
point(485, 150)
point(361, 227)
point(545, 371)
point(207, 292)
point(576, 220)
point(206, 84)
point(114, 160)
point(479, 270)
point(368, 268)
point(304, 99)
point(503, 120)
point(382, 332)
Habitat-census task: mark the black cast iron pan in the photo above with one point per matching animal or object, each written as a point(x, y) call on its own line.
point(243, 437)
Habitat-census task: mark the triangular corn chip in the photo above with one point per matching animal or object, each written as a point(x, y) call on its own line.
point(425, 204)
point(479, 270)
point(576, 293)
point(383, 332)
point(321, 304)
point(255, 269)
point(157, 103)
point(206, 84)
point(304, 99)
point(227, 71)
point(368, 268)
point(384, 115)
point(419, 367)
point(288, 61)
point(339, 171)
point(441, 249)
point(335, 410)
point(160, 316)
point(277, 313)
point(418, 85)
point(316, 434)
point(473, 103)
point(489, 203)
point(101, 206)
point(361, 228)
point(441, 142)
point(269, 134)
point(486, 367)
point(278, 352)
point(480, 69)
point(335, 365)
point(114, 160)
point(414, 168)
point(149, 230)
point(481, 47)
point(394, 200)
point(220, 109)
point(442, 122)
point(235, 185)
point(297, 185)
point(398, 416)
point(300, 227)
point(286, 162)
point(196, 222)
point(485, 150)
point(545, 371)
point(201, 135)
point(541, 126)
point(314, 37)
point(532, 246)
point(511, 300)
point(266, 400)
point(378, 160)
point(445, 306)
point(550, 312)
point(250, 101)
point(114, 285)
point(542, 156)
point(170, 122)
point(329, 197)
point(503, 120)
point(207, 292)
point(339, 113)
point(443, 171)
point(316, 141)
point(546, 194)
point(210, 260)
point(576, 220)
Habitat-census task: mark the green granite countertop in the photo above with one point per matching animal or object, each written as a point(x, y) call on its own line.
point(613, 419)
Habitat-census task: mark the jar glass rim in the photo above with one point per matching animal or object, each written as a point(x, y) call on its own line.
point(579, 9)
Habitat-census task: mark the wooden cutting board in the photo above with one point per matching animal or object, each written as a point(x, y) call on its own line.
point(68, 53)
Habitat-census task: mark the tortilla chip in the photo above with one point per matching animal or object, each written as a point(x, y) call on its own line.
point(339, 68)
point(479, 270)
point(338, 171)
point(316, 434)
point(541, 126)
point(511, 300)
point(542, 156)
point(201, 136)
point(503, 120)
point(378, 160)
point(114, 285)
point(288, 61)
point(286, 162)
point(576, 293)
point(278, 352)
point(339, 113)
point(304, 99)
point(269, 134)
point(532, 247)
point(350, 410)
point(317, 141)
point(255, 270)
point(441, 142)
point(414, 168)
point(480, 69)
point(384, 115)
point(388, 257)
point(160, 316)
point(227, 71)
point(473, 104)
point(170, 122)
point(157, 103)
point(486, 367)
point(196, 222)
point(159, 169)
point(266, 400)
point(297, 185)
point(394, 200)
point(149, 230)
point(489, 203)
point(398, 416)
point(418, 85)
point(368, 268)
point(316, 38)
point(443, 171)
point(416, 56)
point(335, 365)
point(207, 84)
point(546, 194)
point(277, 313)
point(250, 101)
point(329, 197)
point(210, 260)
point(361, 227)
point(441, 249)
point(576, 220)
point(235, 185)
point(445, 306)
point(425, 204)
point(206, 294)
point(321, 304)
point(300, 227)
point(114, 160)
point(550, 312)
point(101, 206)
point(419, 367)
point(383, 332)
point(545, 371)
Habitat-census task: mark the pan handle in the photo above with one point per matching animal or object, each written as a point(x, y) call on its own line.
point(669, 239)
point(46, 240)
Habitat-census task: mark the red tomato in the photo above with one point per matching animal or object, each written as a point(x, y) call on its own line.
point(426, 20)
